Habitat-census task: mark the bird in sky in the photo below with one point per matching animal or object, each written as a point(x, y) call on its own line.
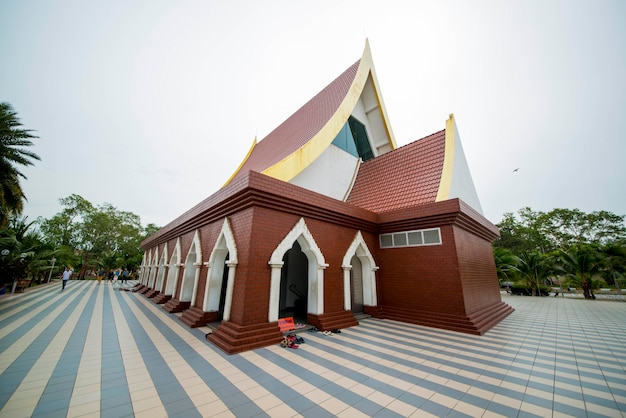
point(515, 171)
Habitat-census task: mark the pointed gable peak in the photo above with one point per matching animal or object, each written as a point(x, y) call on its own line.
point(301, 139)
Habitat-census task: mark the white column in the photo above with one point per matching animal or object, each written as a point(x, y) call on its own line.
point(274, 292)
point(230, 286)
point(347, 294)
point(196, 278)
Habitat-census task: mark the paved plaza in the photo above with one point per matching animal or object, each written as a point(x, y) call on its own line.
point(93, 351)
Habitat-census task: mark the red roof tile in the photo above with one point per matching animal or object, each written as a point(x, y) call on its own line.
point(405, 177)
point(300, 127)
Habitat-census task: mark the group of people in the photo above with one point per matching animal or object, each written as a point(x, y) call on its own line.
point(113, 276)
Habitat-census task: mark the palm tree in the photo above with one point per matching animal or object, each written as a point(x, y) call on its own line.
point(533, 267)
point(613, 263)
point(505, 263)
point(581, 263)
point(13, 139)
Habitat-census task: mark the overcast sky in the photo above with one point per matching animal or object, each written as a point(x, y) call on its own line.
point(151, 105)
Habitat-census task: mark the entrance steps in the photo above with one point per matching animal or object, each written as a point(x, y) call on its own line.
point(196, 317)
point(161, 298)
point(175, 305)
point(233, 338)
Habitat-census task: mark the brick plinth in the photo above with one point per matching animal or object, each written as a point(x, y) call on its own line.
point(477, 323)
point(373, 311)
point(233, 338)
point(195, 317)
point(333, 320)
point(175, 305)
point(161, 298)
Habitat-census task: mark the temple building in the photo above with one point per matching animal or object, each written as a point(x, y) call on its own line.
point(325, 220)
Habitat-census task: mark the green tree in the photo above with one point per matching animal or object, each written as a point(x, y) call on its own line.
point(505, 263)
point(13, 155)
point(613, 265)
point(63, 229)
point(558, 229)
point(102, 236)
point(569, 227)
point(580, 263)
point(525, 233)
point(534, 267)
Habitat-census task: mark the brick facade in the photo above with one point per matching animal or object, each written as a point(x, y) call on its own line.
point(452, 285)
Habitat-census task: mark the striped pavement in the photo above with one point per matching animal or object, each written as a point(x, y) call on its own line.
point(91, 351)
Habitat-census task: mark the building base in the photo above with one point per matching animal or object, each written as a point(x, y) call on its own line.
point(196, 317)
point(233, 338)
point(477, 323)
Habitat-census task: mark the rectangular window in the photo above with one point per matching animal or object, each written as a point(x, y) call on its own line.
point(399, 240)
point(386, 241)
point(411, 238)
point(431, 236)
point(415, 238)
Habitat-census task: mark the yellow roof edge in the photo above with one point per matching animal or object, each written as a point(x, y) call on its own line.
point(443, 192)
point(254, 142)
point(293, 164)
point(367, 55)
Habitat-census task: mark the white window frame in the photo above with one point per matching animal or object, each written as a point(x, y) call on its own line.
point(398, 242)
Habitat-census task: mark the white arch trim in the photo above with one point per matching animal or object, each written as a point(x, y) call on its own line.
point(153, 268)
point(359, 248)
point(315, 303)
point(225, 244)
point(174, 269)
point(188, 291)
point(161, 271)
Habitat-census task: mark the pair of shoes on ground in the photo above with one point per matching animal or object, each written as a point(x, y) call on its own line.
point(294, 338)
point(331, 332)
point(287, 343)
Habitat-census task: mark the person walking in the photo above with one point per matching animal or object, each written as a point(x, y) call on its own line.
point(101, 274)
point(66, 276)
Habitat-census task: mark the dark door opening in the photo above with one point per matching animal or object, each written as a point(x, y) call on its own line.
point(294, 285)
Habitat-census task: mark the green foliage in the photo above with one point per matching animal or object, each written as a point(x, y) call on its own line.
point(580, 263)
point(558, 229)
point(505, 263)
point(104, 236)
point(575, 246)
point(82, 236)
point(533, 267)
point(13, 155)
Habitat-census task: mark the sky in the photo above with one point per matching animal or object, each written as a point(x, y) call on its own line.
point(151, 106)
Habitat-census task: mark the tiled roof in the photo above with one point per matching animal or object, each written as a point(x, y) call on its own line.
point(300, 127)
point(405, 177)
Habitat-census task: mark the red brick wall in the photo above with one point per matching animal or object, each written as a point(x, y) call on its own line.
point(478, 271)
point(424, 278)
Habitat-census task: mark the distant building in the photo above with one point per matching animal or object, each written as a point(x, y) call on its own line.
point(326, 219)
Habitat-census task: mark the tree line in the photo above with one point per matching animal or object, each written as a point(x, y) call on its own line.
point(86, 237)
point(564, 247)
point(82, 235)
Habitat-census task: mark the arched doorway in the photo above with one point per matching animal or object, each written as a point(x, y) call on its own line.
point(223, 287)
point(173, 270)
point(162, 268)
point(356, 285)
point(359, 276)
point(294, 284)
point(192, 270)
point(222, 264)
point(314, 271)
